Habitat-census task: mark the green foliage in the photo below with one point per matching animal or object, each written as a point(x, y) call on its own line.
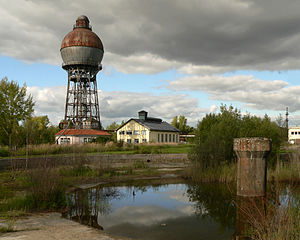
point(4, 152)
point(181, 124)
point(37, 130)
point(15, 106)
point(113, 126)
point(215, 134)
point(102, 139)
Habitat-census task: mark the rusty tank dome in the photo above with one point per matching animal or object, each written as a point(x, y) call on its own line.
point(82, 46)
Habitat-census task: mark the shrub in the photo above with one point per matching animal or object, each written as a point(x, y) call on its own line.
point(4, 152)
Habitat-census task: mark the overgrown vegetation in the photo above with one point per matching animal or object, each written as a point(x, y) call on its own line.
point(265, 219)
point(215, 133)
point(107, 148)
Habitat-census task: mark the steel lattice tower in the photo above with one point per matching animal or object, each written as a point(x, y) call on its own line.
point(82, 53)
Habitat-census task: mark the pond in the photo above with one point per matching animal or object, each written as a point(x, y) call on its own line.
point(156, 212)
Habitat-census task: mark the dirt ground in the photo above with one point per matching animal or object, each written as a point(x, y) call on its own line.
point(51, 226)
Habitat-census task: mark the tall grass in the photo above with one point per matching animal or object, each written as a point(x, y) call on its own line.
point(224, 173)
point(109, 147)
point(263, 219)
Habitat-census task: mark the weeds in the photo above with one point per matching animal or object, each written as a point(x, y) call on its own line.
point(109, 147)
point(261, 219)
point(224, 174)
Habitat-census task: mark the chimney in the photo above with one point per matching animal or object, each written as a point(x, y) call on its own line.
point(143, 115)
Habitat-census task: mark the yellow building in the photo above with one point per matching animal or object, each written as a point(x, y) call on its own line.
point(147, 129)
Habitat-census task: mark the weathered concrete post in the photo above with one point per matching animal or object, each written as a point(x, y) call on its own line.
point(251, 165)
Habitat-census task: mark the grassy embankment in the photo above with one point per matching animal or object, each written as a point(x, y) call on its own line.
point(44, 188)
point(95, 148)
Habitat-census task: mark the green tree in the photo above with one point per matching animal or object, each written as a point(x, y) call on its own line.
point(38, 130)
point(15, 106)
point(215, 134)
point(113, 126)
point(181, 124)
point(175, 122)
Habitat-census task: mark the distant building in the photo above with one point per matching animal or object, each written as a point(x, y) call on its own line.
point(294, 135)
point(77, 136)
point(184, 138)
point(147, 129)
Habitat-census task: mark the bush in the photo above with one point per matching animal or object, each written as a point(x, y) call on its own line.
point(215, 133)
point(4, 152)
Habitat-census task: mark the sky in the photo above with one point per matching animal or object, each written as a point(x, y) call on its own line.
point(168, 57)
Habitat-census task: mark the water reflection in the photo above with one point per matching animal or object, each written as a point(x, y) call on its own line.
point(175, 211)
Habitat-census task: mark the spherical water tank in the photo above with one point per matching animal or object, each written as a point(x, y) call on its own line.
point(82, 46)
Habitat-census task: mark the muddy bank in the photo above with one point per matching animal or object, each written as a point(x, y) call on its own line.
point(49, 226)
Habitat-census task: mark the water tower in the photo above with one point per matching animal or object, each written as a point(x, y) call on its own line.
point(82, 53)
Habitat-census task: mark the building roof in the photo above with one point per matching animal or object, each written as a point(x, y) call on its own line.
point(154, 125)
point(82, 132)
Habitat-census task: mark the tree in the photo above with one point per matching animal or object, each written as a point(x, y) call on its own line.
point(38, 130)
point(15, 106)
point(215, 134)
point(113, 126)
point(174, 122)
point(181, 124)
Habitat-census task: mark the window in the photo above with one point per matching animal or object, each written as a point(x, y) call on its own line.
point(129, 132)
point(136, 132)
point(173, 137)
point(158, 137)
point(162, 138)
point(86, 140)
point(292, 133)
point(170, 138)
point(144, 140)
point(296, 133)
point(121, 132)
point(128, 140)
point(176, 137)
point(136, 140)
point(166, 135)
point(144, 132)
point(65, 141)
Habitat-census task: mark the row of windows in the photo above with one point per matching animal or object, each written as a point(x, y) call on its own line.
point(65, 141)
point(136, 140)
point(135, 132)
point(295, 133)
point(86, 140)
point(167, 137)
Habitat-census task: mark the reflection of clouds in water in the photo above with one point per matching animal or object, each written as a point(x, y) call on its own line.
point(146, 215)
point(178, 195)
point(181, 196)
point(186, 210)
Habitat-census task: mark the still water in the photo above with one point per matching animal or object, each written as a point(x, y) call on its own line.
point(156, 212)
point(171, 211)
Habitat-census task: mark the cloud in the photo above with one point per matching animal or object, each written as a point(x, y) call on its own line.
point(145, 215)
point(253, 93)
point(216, 83)
point(118, 105)
point(153, 36)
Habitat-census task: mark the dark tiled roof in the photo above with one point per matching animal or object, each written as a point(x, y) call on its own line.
point(80, 132)
point(157, 125)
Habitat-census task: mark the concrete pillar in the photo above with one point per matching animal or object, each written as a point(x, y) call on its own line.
point(251, 165)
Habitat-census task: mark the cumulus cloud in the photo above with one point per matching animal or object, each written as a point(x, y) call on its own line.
point(216, 83)
point(151, 36)
point(253, 93)
point(118, 106)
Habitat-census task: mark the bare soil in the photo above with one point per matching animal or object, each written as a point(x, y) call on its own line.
point(51, 226)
